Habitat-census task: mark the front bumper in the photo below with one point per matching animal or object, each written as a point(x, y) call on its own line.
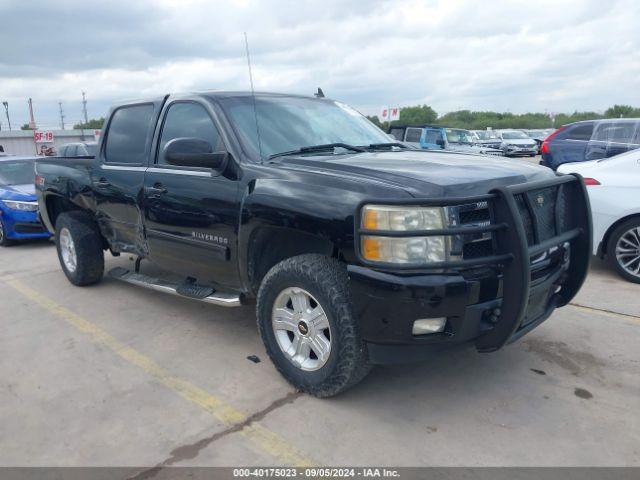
point(514, 150)
point(20, 225)
point(488, 301)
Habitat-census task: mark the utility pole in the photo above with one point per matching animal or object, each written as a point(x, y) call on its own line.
point(61, 116)
point(32, 122)
point(6, 110)
point(84, 108)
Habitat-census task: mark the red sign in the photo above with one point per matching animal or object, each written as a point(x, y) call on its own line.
point(389, 114)
point(43, 136)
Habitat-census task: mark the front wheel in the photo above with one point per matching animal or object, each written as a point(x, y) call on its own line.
point(79, 248)
point(4, 241)
point(308, 326)
point(623, 250)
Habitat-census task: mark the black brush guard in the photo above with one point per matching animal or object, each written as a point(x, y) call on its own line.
point(521, 229)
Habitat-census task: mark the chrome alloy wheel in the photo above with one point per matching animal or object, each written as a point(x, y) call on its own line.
point(68, 250)
point(301, 328)
point(628, 251)
point(1, 232)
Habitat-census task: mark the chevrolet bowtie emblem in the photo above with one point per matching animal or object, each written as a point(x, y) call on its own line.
point(540, 200)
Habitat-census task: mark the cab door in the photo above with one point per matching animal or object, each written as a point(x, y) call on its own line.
point(118, 178)
point(191, 214)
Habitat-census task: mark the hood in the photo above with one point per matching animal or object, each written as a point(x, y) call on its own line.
point(25, 193)
point(520, 141)
point(423, 172)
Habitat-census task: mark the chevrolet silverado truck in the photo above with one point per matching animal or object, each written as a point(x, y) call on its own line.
point(355, 249)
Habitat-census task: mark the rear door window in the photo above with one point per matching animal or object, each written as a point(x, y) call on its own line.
point(397, 133)
point(129, 134)
point(615, 132)
point(580, 132)
point(413, 135)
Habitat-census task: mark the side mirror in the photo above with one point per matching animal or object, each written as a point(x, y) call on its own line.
point(440, 142)
point(194, 152)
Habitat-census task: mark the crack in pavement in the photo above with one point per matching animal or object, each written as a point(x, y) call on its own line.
point(611, 313)
point(192, 450)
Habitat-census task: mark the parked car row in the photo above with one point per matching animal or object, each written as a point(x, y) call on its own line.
point(440, 138)
point(590, 140)
point(508, 142)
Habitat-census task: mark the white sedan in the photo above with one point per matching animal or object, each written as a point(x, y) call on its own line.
point(614, 193)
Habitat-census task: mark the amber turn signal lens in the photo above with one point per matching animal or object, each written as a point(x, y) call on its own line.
point(370, 220)
point(371, 248)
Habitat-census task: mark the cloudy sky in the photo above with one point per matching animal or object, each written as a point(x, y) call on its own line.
point(543, 55)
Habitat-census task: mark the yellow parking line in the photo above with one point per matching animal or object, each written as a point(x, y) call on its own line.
point(607, 313)
point(266, 440)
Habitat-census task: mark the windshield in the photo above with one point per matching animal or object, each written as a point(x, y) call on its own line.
point(458, 136)
point(290, 123)
point(486, 134)
point(16, 173)
point(514, 135)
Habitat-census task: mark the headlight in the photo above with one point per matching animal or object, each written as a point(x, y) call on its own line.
point(405, 250)
point(21, 206)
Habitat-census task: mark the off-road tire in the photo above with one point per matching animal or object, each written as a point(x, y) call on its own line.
point(4, 241)
point(88, 245)
point(326, 279)
point(611, 248)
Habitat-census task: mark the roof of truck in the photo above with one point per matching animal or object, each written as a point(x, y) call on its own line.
point(214, 94)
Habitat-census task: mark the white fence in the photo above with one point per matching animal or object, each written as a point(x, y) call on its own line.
point(22, 142)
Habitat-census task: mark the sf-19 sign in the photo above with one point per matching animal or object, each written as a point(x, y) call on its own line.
point(43, 136)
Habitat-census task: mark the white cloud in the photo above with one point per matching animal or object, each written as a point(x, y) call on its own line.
point(518, 55)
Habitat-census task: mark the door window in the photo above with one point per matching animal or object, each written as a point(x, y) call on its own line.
point(128, 134)
point(188, 119)
point(580, 132)
point(615, 132)
point(413, 135)
point(433, 136)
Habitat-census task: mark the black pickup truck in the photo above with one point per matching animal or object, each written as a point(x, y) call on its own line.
point(357, 250)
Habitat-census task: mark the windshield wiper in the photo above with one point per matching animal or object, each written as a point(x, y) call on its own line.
point(318, 148)
point(389, 145)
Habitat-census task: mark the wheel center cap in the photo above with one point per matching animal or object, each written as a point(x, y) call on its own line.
point(303, 328)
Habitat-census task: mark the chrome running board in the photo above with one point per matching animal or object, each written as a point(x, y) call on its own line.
point(159, 285)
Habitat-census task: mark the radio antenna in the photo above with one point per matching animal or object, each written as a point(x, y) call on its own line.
point(253, 95)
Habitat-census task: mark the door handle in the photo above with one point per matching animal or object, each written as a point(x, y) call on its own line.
point(103, 183)
point(157, 189)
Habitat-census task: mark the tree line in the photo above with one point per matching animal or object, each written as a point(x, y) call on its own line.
point(424, 114)
point(92, 124)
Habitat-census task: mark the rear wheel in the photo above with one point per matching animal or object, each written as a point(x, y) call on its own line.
point(4, 241)
point(79, 246)
point(623, 250)
point(308, 327)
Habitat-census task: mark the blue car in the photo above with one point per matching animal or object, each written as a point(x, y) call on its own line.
point(19, 218)
point(590, 140)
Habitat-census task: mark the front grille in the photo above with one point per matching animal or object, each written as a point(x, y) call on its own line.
point(478, 214)
point(543, 212)
point(474, 245)
point(478, 249)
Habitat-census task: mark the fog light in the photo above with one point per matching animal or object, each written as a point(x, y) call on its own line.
point(429, 325)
